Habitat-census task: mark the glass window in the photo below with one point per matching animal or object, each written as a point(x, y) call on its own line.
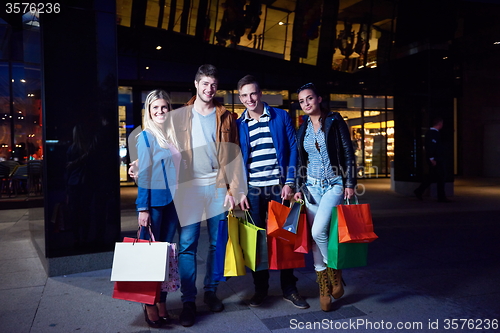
point(124, 129)
point(27, 117)
point(123, 12)
point(372, 131)
point(5, 117)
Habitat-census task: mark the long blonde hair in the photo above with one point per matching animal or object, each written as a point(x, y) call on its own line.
point(163, 133)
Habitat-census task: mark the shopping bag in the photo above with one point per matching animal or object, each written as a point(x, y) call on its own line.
point(234, 264)
point(282, 256)
point(355, 223)
point(344, 255)
point(292, 220)
point(140, 261)
point(253, 241)
point(142, 292)
point(303, 240)
point(173, 281)
point(276, 217)
point(220, 251)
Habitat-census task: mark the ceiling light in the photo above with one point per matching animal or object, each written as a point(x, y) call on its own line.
point(147, 67)
point(496, 43)
point(158, 47)
point(281, 23)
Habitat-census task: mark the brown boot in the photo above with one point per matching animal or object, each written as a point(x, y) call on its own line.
point(335, 277)
point(324, 290)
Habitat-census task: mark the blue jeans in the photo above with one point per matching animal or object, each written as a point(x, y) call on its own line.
point(198, 202)
point(164, 223)
point(327, 194)
point(258, 199)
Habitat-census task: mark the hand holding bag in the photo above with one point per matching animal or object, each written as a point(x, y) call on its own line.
point(355, 223)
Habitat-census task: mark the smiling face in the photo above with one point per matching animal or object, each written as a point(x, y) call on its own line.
point(206, 88)
point(250, 96)
point(310, 102)
point(158, 111)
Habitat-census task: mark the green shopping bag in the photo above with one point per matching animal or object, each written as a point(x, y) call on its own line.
point(344, 255)
point(253, 241)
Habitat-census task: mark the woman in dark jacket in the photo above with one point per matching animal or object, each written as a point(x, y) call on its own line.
point(326, 176)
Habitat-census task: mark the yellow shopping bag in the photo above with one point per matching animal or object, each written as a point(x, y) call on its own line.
point(234, 264)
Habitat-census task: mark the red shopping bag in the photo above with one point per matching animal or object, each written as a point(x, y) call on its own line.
point(355, 223)
point(276, 217)
point(282, 255)
point(142, 292)
point(303, 239)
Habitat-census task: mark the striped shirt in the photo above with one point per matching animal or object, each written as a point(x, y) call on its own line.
point(319, 166)
point(263, 163)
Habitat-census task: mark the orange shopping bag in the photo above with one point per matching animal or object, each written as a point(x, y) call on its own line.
point(355, 223)
point(276, 217)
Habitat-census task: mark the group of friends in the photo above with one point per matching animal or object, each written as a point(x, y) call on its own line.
point(197, 162)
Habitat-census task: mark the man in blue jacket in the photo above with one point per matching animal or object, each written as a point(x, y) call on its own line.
point(269, 150)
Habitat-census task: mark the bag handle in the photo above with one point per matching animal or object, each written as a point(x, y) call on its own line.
point(151, 236)
point(248, 217)
point(300, 201)
point(355, 203)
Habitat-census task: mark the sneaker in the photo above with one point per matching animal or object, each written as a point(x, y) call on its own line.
point(258, 299)
point(214, 304)
point(296, 300)
point(188, 314)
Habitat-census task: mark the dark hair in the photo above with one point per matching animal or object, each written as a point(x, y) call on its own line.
point(208, 71)
point(248, 79)
point(324, 111)
point(310, 86)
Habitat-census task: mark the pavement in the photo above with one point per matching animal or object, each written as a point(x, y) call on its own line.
point(434, 268)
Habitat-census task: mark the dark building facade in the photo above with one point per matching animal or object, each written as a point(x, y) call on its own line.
point(72, 86)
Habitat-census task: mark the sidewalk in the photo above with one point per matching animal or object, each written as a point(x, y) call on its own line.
point(433, 262)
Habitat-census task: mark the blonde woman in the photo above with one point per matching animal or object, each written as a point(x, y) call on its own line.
point(158, 162)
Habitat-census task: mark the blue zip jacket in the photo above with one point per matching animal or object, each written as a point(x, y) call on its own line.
point(157, 174)
point(284, 140)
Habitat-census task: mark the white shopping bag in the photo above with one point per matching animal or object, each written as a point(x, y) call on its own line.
point(140, 261)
